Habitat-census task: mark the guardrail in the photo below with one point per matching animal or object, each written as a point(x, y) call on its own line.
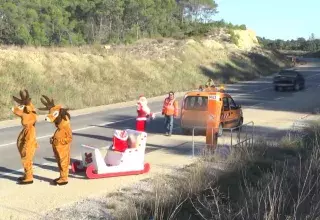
point(248, 140)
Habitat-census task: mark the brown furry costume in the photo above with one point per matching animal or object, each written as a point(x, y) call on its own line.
point(62, 138)
point(26, 142)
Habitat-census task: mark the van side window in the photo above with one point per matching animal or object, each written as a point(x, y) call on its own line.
point(225, 104)
point(232, 104)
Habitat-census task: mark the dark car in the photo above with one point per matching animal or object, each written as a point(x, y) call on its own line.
point(288, 79)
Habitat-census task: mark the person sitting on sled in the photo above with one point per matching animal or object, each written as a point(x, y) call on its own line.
point(144, 114)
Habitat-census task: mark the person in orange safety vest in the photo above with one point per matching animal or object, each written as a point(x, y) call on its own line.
point(169, 110)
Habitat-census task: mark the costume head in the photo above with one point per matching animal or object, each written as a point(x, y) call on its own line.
point(25, 109)
point(142, 100)
point(143, 104)
point(56, 112)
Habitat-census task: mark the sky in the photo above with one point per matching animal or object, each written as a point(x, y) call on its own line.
point(273, 19)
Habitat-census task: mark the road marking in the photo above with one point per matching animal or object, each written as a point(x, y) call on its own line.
point(278, 98)
point(260, 90)
point(313, 76)
point(256, 104)
point(21, 170)
point(79, 129)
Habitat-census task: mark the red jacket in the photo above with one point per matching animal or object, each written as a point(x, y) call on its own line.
point(143, 113)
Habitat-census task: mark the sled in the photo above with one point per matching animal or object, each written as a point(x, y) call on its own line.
point(115, 163)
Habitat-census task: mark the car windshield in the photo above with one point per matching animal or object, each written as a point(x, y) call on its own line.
point(197, 103)
point(287, 73)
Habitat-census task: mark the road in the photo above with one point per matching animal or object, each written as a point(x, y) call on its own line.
point(96, 129)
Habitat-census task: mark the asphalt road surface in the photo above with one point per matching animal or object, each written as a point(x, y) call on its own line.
point(96, 129)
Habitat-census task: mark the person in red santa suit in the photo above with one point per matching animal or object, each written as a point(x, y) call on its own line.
point(144, 114)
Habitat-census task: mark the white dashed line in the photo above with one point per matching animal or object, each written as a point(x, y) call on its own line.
point(79, 129)
point(260, 90)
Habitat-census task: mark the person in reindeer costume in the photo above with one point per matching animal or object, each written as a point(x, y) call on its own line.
point(26, 142)
point(144, 113)
point(62, 138)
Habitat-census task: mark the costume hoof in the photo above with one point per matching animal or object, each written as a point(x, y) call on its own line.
point(56, 182)
point(20, 179)
point(61, 183)
point(25, 182)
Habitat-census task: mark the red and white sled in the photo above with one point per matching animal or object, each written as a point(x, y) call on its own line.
point(115, 163)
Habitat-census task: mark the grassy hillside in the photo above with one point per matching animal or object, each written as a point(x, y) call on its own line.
point(91, 76)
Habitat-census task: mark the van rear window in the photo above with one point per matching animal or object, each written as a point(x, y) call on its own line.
point(197, 103)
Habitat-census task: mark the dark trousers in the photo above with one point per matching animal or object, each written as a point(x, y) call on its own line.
point(168, 123)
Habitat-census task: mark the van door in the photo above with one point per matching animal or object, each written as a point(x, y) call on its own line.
point(234, 113)
point(194, 113)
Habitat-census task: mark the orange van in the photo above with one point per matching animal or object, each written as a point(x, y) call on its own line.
point(194, 110)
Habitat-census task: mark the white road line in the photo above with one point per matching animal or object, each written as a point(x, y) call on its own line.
point(256, 104)
point(79, 129)
point(278, 98)
point(260, 90)
point(313, 76)
point(21, 170)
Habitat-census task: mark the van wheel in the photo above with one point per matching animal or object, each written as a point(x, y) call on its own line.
point(220, 130)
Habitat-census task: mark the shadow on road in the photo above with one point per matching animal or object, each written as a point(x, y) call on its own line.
point(19, 174)
point(155, 126)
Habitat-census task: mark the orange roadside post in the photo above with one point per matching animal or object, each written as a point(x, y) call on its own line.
point(213, 121)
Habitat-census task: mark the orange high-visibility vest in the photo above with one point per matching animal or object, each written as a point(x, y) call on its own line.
point(170, 107)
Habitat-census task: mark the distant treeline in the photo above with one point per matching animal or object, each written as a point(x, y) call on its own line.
point(312, 44)
point(77, 22)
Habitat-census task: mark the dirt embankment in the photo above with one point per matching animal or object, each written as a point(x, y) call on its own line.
point(92, 76)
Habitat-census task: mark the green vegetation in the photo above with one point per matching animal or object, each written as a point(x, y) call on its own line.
point(79, 22)
point(300, 44)
point(91, 76)
point(264, 181)
point(233, 37)
point(59, 50)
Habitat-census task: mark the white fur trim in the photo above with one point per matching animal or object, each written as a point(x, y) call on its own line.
point(141, 118)
point(121, 134)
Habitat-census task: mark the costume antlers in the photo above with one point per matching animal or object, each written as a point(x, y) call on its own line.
point(56, 112)
point(49, 104)
point(25, 98)
point(24, 102)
